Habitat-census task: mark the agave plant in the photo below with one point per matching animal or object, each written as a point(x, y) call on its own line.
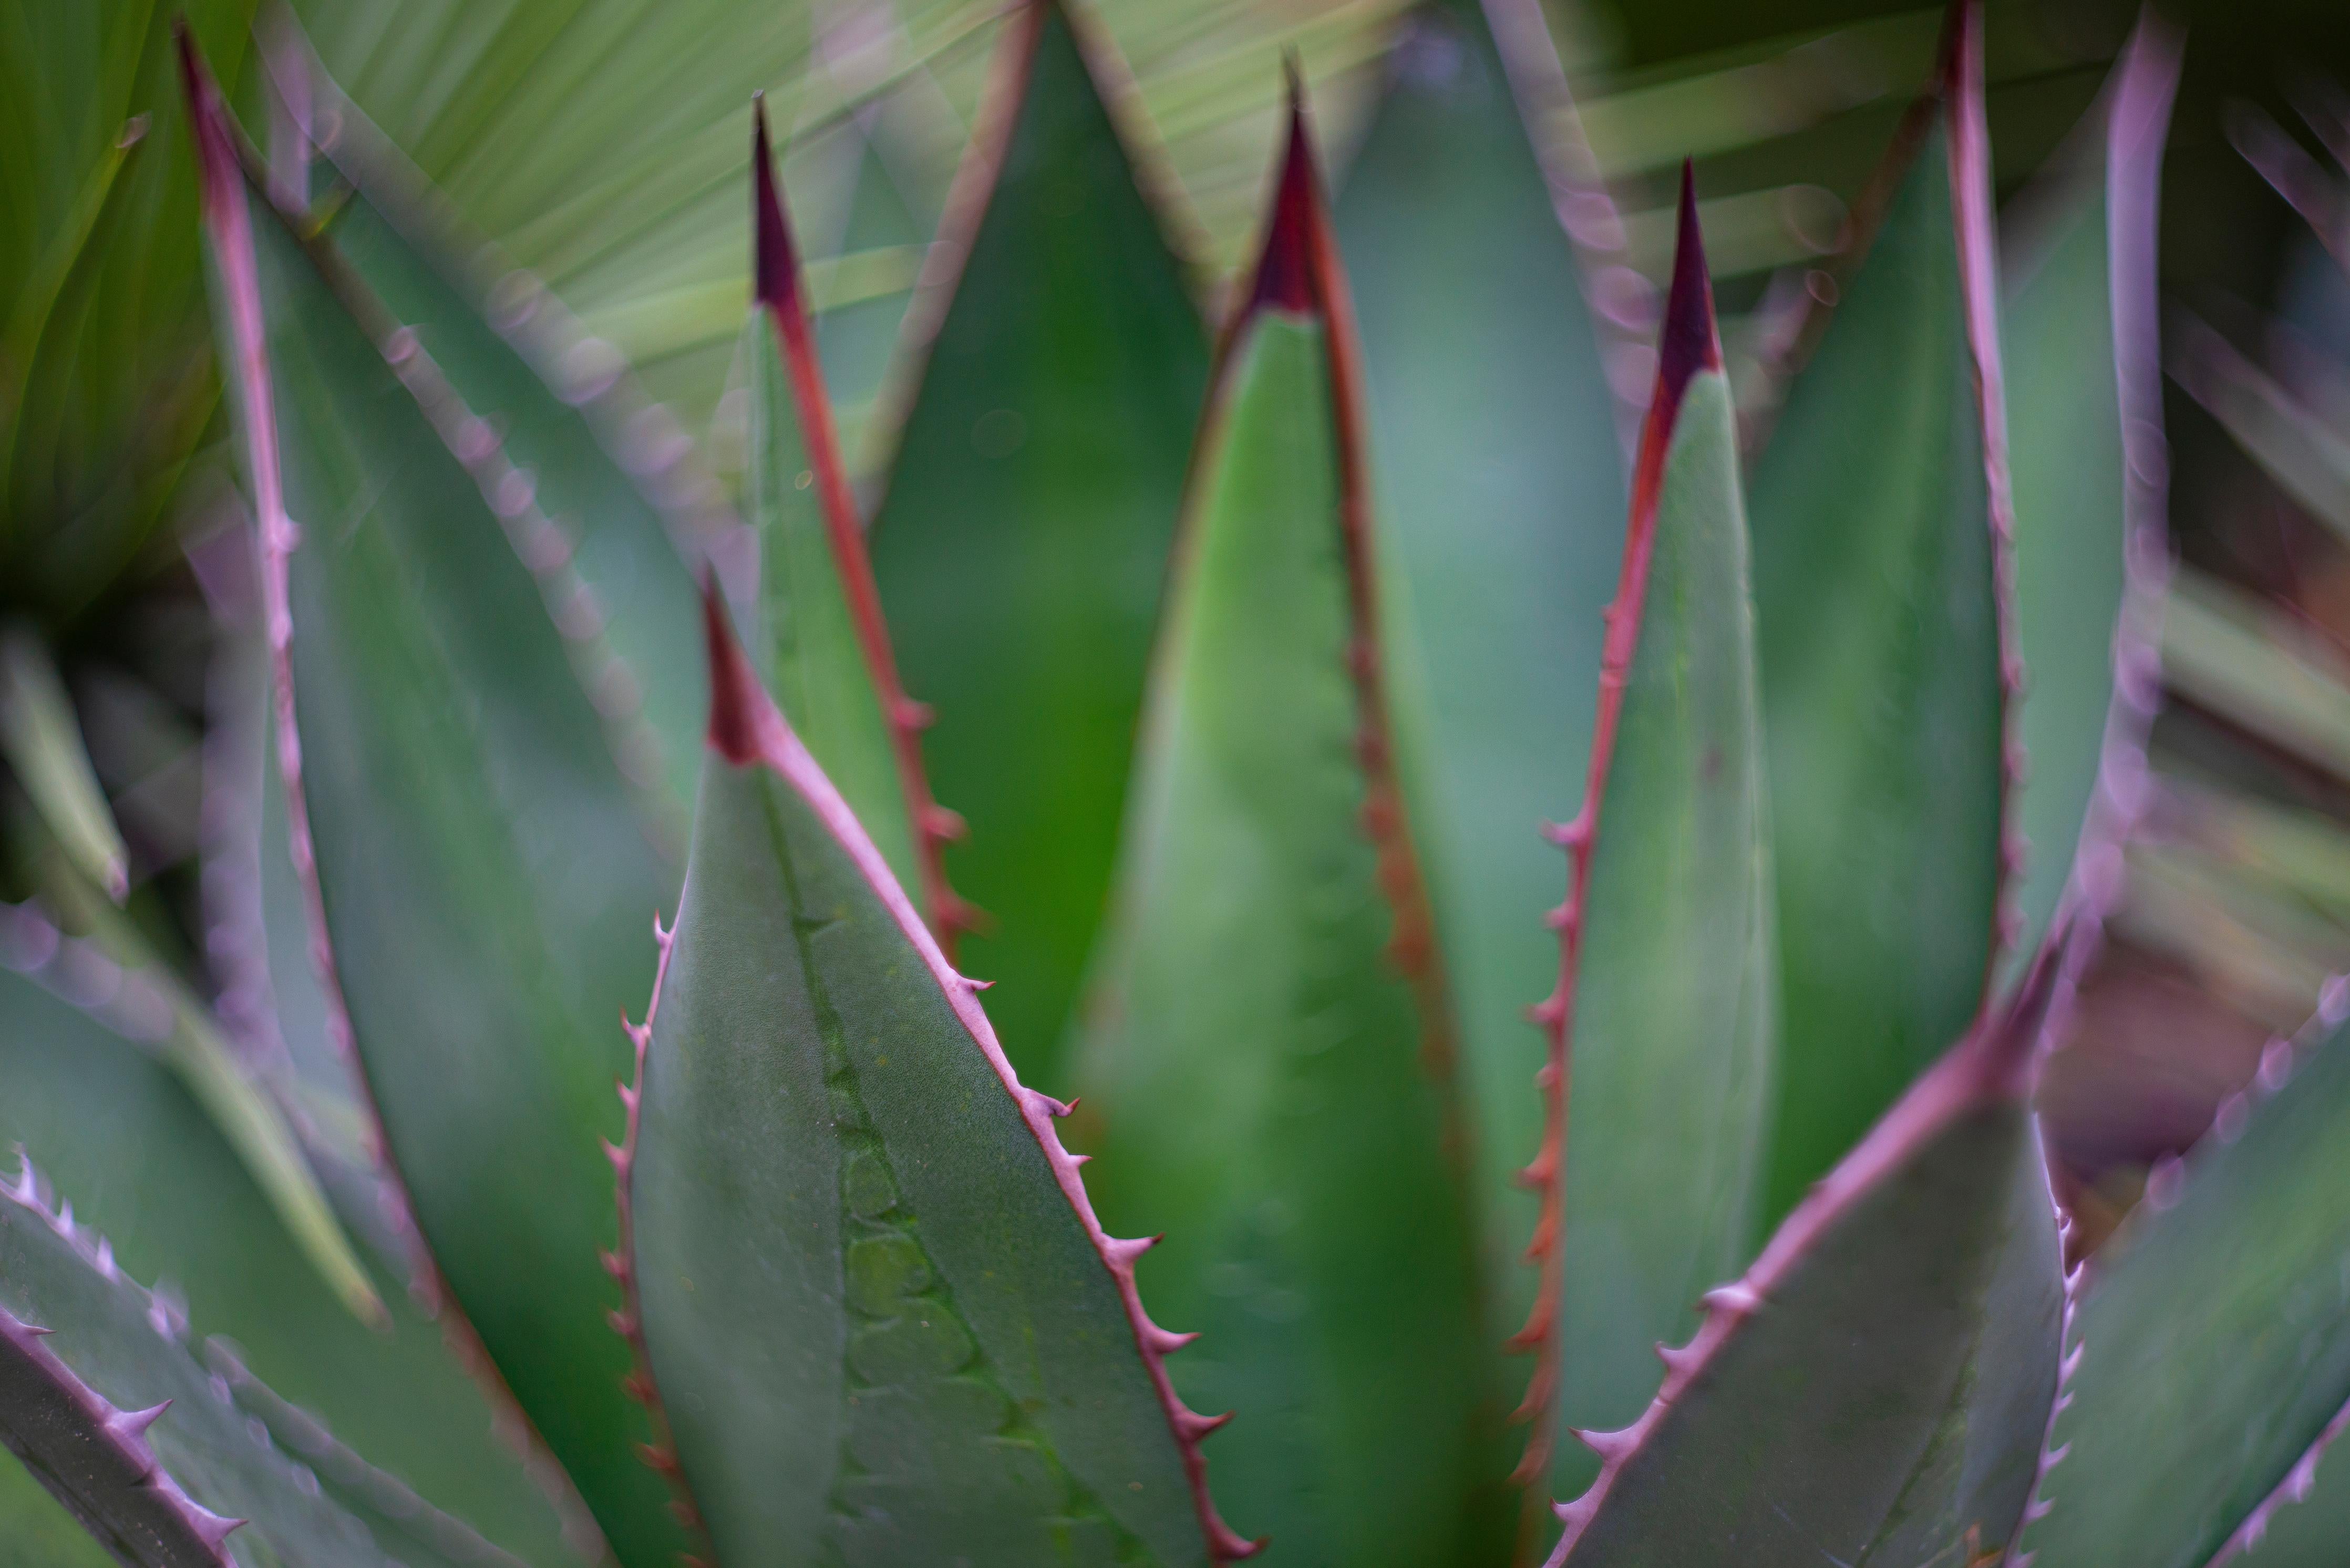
point(1250, 683)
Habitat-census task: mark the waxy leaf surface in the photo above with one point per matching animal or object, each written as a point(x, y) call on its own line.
point(874, 1303)
point(1499, 498)
point(1256, 1064)
point(1876, 1387)
point(113, 1128)
point(1876, 600)
point(1022, 542)
point(481, 871)
point(619, 541)
point(85, 1358)
point(2082, 265)
point(1668, 987)
point(2215, 1334)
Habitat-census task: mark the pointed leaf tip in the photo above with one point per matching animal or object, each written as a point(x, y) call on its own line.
point(733, 689)
point(214, 163)
point(1689, 342)
point(1285, 267)
point(775, 268)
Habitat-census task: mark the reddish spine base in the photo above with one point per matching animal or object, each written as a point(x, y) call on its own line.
point(224, 168)
point(183, 1525)
point(746, 729)
point(1688, 345)
point(776, 282)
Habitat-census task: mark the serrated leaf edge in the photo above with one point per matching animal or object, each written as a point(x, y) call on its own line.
point(122, 1433)
point(304, 1433)
point(661, 1454)
point(2136, 115)
point(1995, 1063)
point(1690, 343)
point(778, 292)
point(747, 729)
point(221, 165)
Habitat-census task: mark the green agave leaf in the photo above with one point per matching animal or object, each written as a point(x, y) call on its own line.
point(1874, 1389)
point(2084, 388)
point(106, 393)
point(104, 1405)
point(1880, 513)
point(43, 743)
point(41, 1529)
point(113, 1125)
point(1501, 497)
point(1023, 540)
point(633, 516)
point(868, 1283)
point(1265, 1019)
point(477, 868)
point(188, 1038)
point(1664, 1016)
point(2214, 1332)
point(825, 649)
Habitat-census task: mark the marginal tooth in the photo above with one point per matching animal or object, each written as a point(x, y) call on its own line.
point(616, 1154)
point(1194, 1426)
point(1165, 1341)
point(211, 1528)
point(1038, 1100)
point(1609, 1446)
point(1124, 1251)
point(1737, 1298)
point(130, 1424)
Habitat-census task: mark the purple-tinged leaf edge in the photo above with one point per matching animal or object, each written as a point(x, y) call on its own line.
point(179, 1523)
point(1997, 1062)
point(1689, 342)
point(221, 164)
point(746, 729)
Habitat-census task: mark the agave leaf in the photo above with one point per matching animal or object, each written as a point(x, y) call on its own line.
point(1879, 514)
point(2083, 385)
point(187, 1037)
point(42, 1529)
point(43, 743)
point(1664, 1013)
point(407, 1526)
point(1916, 1301)
point(2213, 1338)
point(636, 516)
point(870, 1286)
point(825, 649)
point(166, 1187)
point(1022, 542)
point(1265, 1022)
point(103, 1403)
point(478, 872)
point(1501, 503)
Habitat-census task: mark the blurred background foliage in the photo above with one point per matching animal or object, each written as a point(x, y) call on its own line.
point(599, 145)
